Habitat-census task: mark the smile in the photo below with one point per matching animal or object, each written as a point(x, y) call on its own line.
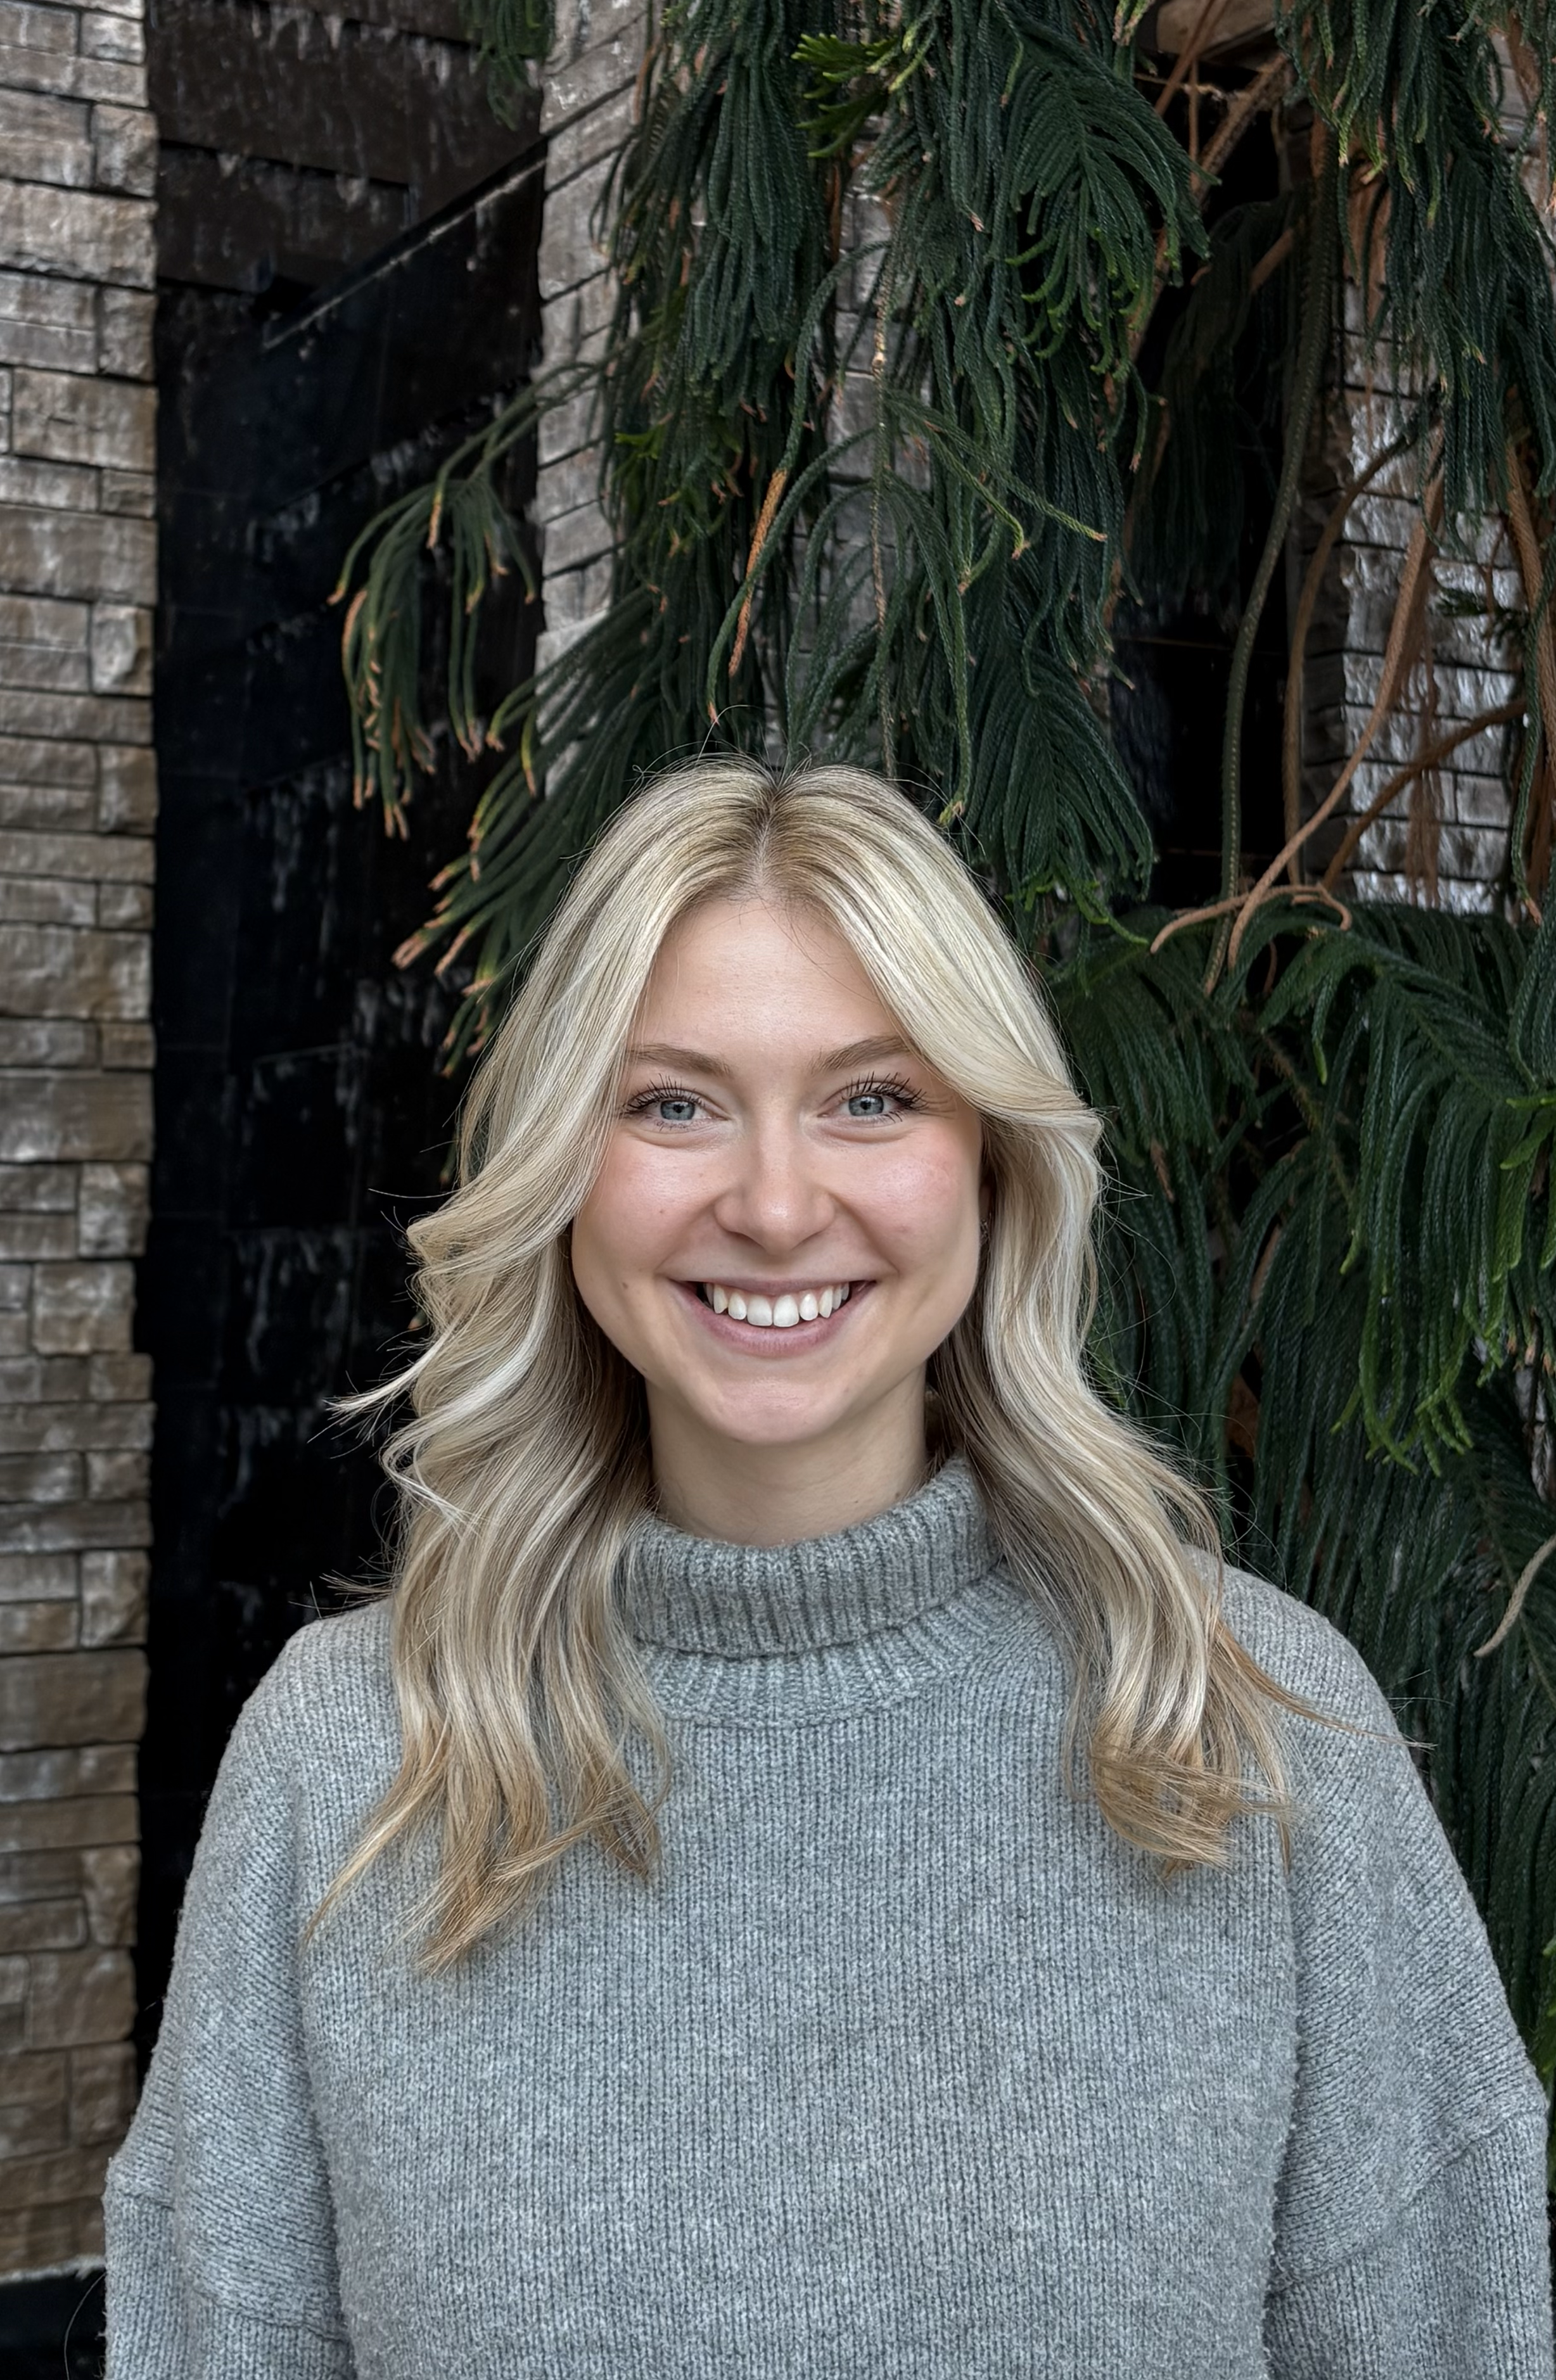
point(783, 1310)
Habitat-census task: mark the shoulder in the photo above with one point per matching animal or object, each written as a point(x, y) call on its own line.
point(327, 1700)
point(1304, 1652)
point(1350, 1773)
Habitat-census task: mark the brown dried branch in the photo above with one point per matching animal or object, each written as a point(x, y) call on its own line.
point(1431, 758)
point(1290, 742)
point(1403, 638)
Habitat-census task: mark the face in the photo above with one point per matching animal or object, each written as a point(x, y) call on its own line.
point(786, 1223)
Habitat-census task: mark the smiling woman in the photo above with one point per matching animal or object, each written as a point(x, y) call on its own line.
point(782, 1232)
point(813, 1869)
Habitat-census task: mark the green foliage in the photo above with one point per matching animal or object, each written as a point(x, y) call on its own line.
point(1336, 1221)
point(879, 459)
point(511, 38)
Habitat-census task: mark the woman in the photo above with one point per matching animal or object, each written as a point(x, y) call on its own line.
point(808, 1873)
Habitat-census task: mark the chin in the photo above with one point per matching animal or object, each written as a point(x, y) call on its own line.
point(759, 1421)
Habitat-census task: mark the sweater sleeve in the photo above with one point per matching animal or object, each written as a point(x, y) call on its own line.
point(1411, 2226)
point(220, 2227)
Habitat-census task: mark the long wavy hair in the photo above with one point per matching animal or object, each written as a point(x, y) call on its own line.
point(525, 1459)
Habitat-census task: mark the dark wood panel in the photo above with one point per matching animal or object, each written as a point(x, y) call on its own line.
point(367, 101)
point(249, 225)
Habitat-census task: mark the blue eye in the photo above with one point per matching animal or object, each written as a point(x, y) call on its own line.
point(675, 1110)
point(868, 1103)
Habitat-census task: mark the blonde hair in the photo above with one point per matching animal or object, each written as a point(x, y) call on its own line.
point(525, 1459)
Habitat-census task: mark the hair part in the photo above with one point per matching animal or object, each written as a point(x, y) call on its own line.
point(525, 1461)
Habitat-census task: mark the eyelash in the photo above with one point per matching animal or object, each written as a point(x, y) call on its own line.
point(893, 1086)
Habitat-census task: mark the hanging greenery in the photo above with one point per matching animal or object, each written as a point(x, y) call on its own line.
point(888, 436)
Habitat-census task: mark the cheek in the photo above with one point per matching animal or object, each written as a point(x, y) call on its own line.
point(924, 1206)
point(629, 1223)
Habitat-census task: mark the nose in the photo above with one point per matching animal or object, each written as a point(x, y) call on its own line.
point(774, 1196)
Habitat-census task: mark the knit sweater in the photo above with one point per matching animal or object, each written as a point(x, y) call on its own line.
point(902, 2064)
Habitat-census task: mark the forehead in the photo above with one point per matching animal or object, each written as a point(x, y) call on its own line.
point(739, 965)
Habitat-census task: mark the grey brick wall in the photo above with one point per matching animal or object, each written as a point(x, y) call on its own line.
point(78, 550)
point(590, 95)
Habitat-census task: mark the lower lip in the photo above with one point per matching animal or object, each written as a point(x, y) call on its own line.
point(749, 1338)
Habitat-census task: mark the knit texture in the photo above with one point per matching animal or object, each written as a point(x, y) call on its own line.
point(904, 2063)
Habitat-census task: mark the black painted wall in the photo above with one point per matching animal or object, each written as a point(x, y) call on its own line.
point(301, 1110)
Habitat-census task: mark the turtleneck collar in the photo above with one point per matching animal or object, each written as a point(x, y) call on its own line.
point(699, 1595)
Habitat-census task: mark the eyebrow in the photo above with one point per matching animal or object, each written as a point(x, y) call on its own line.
point(829, 1061)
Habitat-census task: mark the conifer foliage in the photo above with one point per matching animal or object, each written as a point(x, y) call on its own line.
point(881, 461)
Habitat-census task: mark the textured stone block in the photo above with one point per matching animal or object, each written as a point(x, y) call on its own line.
point(41, 2081)
point(87, 1698)
point(114, 1598)
point(57, 1774)
point(113, 1202)
point(565, 485)
point(37, 1876)
point(52, 971)
point(127, 789)
point(127, 1045)
point(25, 26)
point(121, 648)
point(47, 2181)
point(66, 418)
point(79, 233)
point(40, 1479)
point(78, 1996)
point(599, 73)
point(118, 1472)
point(563, 429)
point(120, 1379)
point(49, 487)
point(24, 1237)
point(74, 1428)
point(36, 2125)
point(31, 1826)
point(578, 537)
point(50, 323)
point(64, 554)
point(43, 666)
point(42, 1925)
point(46, 1041)
point(124, 141)
point(101, 858)
point(37, 1627)
point(93, 718)
point(110, 1876)
point(27, 1576)
point(133, 492)
point(124, 336)
point(573, 597)
point(37, 761)
point(35, 2238)
point(43, 139)
point(38, 1189)
point(82, 1309)
point(60, 1528)
point(105, 35)
point(98, 857)
point(125, 907)
point(101, 2093)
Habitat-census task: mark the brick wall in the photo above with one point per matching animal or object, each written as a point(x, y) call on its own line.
point(586, 115)
point(77, 800)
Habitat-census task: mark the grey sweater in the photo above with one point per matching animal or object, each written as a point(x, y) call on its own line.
point(903, 2065)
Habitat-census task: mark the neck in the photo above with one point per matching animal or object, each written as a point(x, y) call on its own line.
point(714, 1486)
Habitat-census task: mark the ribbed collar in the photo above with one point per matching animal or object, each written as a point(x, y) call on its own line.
point(698, 1595)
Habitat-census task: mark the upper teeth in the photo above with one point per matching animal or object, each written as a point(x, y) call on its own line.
point(776, 1313)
